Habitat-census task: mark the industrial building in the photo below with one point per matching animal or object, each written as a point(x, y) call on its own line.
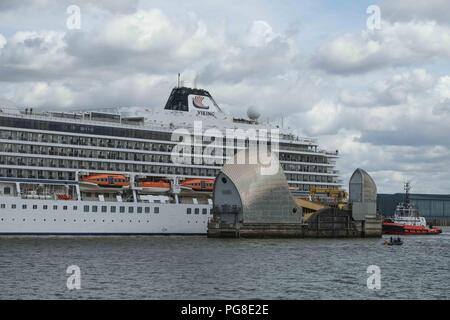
point(434, 207)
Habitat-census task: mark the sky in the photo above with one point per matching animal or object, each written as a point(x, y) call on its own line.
point(377, 92)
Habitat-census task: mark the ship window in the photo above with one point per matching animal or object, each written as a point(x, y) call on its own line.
point(45, 207)
point(103, 208)
point(86, 208)
point(196, 210)
point(130, 209)
point(204, 211)
point(188, 210)
point(75, 208)
point(156, 210)
point(24, 206)
point(147, 209)
point(64, 207)
point(94, 208)
point(122, 209)
point(3, 206)
point(7, 190)
point(139, 210)
point(113, 209)
point(55, 207)
point(13, 206)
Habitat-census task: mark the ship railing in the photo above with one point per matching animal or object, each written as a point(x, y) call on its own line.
point(122, 124)
point(42, 116)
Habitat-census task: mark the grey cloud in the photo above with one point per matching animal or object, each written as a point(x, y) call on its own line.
point(442, 109)
point(114, 6)
point(396, 90)
point(395, 44)
point(90, 52)
point(34, 56)
point(271, 60)
point(406, 10)
point(410, 135)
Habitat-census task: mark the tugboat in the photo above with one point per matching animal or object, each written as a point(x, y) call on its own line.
point(407, 219)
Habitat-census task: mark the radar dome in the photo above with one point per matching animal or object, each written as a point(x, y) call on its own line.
point(253, 113)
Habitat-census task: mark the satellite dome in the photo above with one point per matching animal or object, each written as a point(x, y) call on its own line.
point(253, 113)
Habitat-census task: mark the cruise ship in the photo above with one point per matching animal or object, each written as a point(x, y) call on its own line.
point(102, 172)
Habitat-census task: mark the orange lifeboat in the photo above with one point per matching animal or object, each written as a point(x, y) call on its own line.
point(198, 184)
point(160, 186)
point(104, 182)
point(64, 197)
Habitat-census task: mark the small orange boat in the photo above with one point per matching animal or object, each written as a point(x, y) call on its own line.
point(104, 181)
point(160, 186)
point(198, 184)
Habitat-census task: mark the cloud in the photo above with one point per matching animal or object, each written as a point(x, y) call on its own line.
point(396, 44)
point(115, 6)
point(31, 55)
point(381, 98)
point(54, 95)
point(399, 89)
point(145, 41)
point(2, 41)
point(261, 52)
point(407, 10)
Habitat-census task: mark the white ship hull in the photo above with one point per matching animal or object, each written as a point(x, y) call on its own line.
point(30, 217)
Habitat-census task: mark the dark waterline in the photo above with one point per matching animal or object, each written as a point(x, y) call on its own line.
point(175, 267)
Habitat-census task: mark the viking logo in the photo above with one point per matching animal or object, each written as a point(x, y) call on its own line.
point(198, 102)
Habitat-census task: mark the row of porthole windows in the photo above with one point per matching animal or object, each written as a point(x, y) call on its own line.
point(86, 208)
point(197, 211)
point(84, 220)
point(121, 209)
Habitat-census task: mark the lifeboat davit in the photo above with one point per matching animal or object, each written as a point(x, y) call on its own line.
point(160, 186)
point(206, 185)
point(104, 182)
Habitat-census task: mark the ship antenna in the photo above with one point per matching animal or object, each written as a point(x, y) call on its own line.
point(407, 189)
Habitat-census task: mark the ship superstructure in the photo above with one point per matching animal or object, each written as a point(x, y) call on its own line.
point(56, 156)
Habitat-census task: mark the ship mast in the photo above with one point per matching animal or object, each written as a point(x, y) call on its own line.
point(407, 188)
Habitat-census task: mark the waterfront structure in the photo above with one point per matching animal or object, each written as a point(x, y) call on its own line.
point(46, 156)
point(242, 194)
point(362, 202)
point(362, 195)
point(250, 204)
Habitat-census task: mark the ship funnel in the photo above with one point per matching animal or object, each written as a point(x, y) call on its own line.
point(194, 100)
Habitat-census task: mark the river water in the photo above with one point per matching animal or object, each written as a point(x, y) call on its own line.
point(174, 267)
